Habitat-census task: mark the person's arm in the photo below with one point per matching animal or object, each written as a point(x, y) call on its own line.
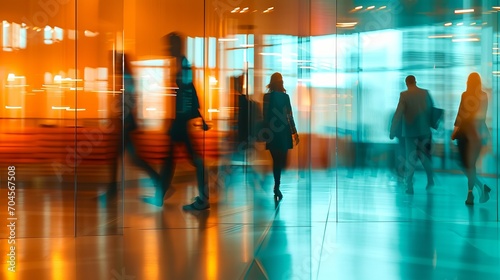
point(129, 95)
point(435, 114)
point(484, 106)
point(431, 99)
point(196, 106)
point(458, 120)
point(291, 121)
point(185, 81)
point(454, 133)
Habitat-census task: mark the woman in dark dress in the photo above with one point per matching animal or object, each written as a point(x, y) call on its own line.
point(471, 134)
point(279, 123)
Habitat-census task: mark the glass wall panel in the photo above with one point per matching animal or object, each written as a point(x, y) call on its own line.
point(251, 46)
point(59, 113)
point(495, 22)
point(73, 72)
point(38, 75)
point(377, 47)
point(101, 89)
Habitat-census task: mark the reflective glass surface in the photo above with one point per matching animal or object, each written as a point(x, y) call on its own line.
point(144, 139)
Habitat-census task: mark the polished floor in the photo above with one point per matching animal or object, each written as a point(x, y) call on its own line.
point(330, 225)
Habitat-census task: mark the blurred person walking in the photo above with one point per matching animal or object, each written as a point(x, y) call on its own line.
point(414, 115)
point(472, 134)
point(279, 123)
point(187, 107)
point(128, 111)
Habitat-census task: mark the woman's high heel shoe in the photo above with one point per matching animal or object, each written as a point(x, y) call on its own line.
point(277, 194)
point(485, 196)
point(470, 199)
point(486, 188)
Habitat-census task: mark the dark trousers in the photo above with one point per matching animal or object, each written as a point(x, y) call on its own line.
point(400, 158)
point(279, 163)
point(418, 148)
point(168, 168)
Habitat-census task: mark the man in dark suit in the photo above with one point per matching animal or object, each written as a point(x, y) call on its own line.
point(413, 114)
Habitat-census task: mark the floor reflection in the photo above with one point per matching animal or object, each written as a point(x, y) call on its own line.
point(375, 231)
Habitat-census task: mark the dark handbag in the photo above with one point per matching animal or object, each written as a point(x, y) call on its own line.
point(436, 116)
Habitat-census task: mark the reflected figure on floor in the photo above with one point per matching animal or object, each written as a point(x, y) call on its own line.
point(275, 256)
point(280, 125)
point(187, 109)
point(127, 103)
point(413, 114)
point(472, 134)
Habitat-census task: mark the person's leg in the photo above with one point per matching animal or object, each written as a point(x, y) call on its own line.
point(275, 155)
point(200, 170)
point(483, 189)
point(279, 163)
point(202, 200)
point(167, 170)
point(400, 159)
point(424, 147)
point(165, 179)
point(283, 161)
point(112, 188)
point(138, 161)
point(113, 184)
point(464, 150)
point(471, 176)
point(411, 162)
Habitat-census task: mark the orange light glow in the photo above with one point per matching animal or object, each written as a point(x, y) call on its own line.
point(8, 274)
point(150, 256)
point(212, 247)
point(11, 77)
point(268, 10)
point(57, 266)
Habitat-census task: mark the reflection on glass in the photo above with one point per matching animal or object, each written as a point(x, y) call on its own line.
point(343, 63)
